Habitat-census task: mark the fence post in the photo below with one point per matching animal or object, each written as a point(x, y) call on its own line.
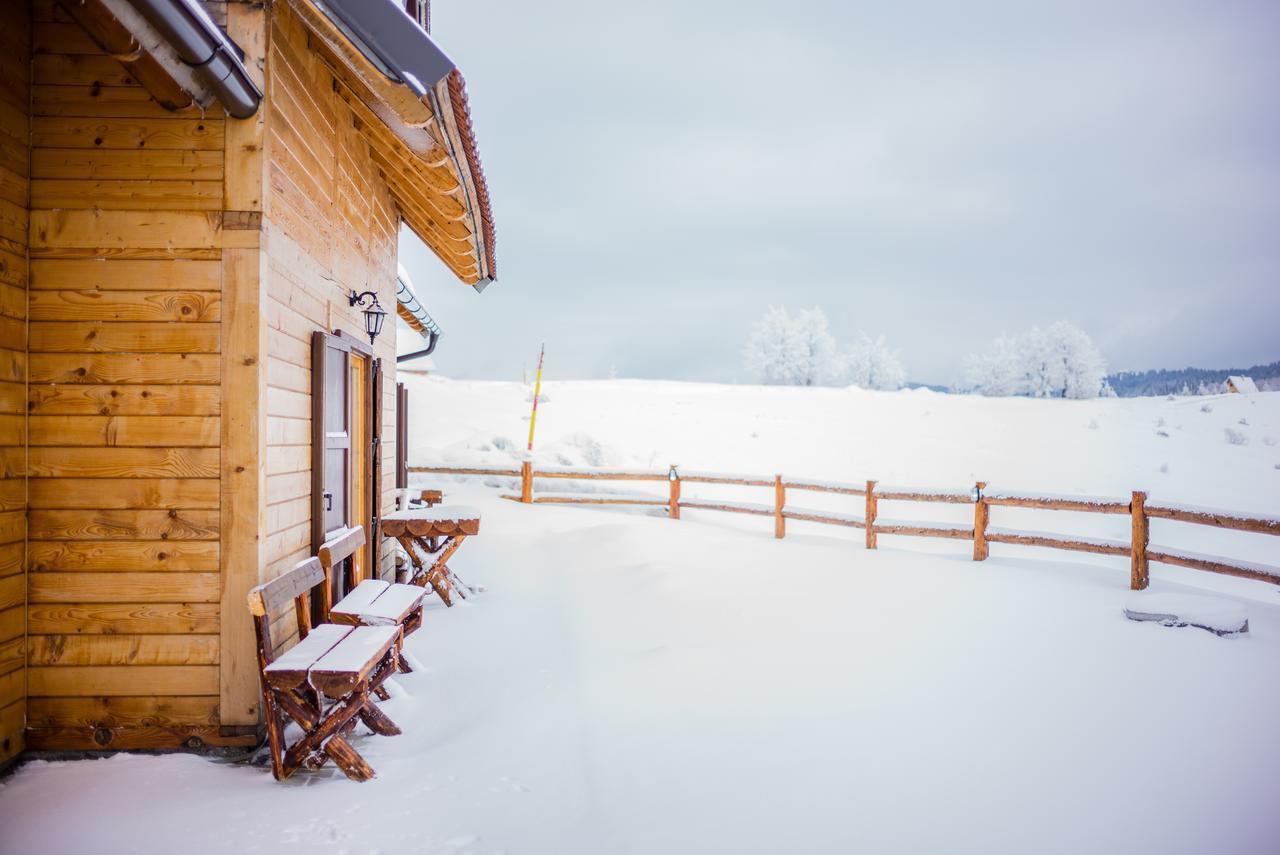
point(779, 499)
point(673, 503)
point(1138, 571)
point(870, 517)
point(981, 513)
point(526, 482)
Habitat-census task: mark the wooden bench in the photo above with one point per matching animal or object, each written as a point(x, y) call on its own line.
point(371, 602)
point(437, 531)
point(344, 664)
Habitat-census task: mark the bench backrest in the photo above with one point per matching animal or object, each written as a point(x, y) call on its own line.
point(333, 552)
point(270, 597)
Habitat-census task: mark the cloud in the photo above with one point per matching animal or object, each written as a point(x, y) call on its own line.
point(662, 172)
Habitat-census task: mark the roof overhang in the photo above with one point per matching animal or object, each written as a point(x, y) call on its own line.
point(173, 49)
point(409, 101)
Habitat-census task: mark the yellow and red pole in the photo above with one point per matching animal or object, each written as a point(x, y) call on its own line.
point(537, 390)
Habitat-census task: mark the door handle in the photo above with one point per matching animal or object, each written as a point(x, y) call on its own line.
point(328, 501)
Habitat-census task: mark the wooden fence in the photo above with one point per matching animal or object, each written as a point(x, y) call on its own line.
point(1137, 508)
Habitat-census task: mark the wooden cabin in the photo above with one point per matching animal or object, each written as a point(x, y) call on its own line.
point(1241, 385)
point(189, 399)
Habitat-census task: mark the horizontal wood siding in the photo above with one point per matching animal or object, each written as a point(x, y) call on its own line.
point(331, 228)
point(124, 366)
point(15, 158)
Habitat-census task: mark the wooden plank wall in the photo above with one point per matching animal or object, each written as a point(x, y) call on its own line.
point(329, 227)
point(124, 403)
point(15, 161)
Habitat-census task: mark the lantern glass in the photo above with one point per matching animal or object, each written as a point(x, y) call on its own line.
point(373, 318)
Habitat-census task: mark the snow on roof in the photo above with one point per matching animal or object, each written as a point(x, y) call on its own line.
point(1242, 384)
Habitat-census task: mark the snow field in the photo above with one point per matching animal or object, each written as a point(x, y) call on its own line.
point(633, 684)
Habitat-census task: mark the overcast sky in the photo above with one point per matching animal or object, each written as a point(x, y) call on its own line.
point(662, 172)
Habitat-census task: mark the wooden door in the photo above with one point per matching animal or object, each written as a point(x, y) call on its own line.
point(343, 454)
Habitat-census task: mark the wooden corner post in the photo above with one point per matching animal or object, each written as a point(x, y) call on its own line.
point(243, 345)
point(1139, 576)
point(673, 503)
point(981, 514)
point(779, 501)
point(526, 482)
point(870, 517)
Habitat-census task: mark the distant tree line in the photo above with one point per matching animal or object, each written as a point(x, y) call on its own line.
point(1190, 381)
point(1056, 361)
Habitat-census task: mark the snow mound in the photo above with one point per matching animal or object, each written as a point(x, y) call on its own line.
point(1219, 616)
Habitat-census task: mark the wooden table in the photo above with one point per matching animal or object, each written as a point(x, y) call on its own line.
point(437, 531)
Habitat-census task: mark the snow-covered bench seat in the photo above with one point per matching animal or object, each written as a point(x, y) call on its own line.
point(371, 602)
point(325, 682)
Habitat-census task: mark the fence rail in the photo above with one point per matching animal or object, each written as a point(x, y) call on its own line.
point(1140, 512)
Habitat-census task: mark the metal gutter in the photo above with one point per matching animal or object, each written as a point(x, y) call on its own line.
point(206, 49)
point(408, 300)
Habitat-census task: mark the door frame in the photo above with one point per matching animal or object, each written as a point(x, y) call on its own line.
point(364, 463)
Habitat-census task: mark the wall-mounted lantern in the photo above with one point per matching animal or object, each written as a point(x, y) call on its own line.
point(374, 314)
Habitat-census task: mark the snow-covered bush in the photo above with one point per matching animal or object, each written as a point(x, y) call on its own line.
point(793, 350)
point(1060, 361)
point(870, 364)
point(1236, 437)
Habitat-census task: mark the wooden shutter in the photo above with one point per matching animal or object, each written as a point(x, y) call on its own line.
point(375, 458)
point(402, 437)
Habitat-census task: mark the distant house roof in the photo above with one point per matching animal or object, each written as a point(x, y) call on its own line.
point(410, 102)
point(1240, 383)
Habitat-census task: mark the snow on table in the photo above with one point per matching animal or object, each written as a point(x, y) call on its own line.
point(439, 513)
point(1219, 615)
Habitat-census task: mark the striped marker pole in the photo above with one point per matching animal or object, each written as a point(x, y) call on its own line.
point(537, 390)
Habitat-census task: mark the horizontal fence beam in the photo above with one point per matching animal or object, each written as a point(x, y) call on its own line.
point(981, 534)
point(1217, 519)
point(1058, 503)
point(1074, 544)
point(1212, 564)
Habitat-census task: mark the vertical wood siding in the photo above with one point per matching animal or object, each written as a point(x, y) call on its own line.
point(15, 104)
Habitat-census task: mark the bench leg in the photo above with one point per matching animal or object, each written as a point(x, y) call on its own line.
point(324, 737)
point(348, 759)
point(378, 721)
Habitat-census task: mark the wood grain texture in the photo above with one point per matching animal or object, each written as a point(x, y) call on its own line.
point(92, 712)
point(99, 274)
point(48, 650)
point(139, 400)
point(94, 305)
point(123, 493)
point(122, 680)
point(15, 86)
point(109, 556)
point(112, 368)
point(83, 525)
point(123, 462)
point(124, 618)
point(122, 588)
point(97, 337)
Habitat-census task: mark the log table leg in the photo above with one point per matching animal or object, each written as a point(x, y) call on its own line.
point(438, 576)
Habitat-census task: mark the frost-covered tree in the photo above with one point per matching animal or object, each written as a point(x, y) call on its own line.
point(793, 350)
point(1001, 369)
point(870, 364)
point(1060, 361)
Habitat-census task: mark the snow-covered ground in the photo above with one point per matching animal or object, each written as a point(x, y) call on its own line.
point(632, 684)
